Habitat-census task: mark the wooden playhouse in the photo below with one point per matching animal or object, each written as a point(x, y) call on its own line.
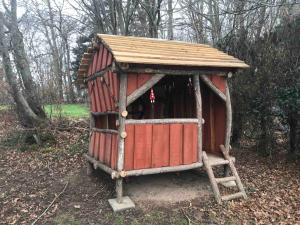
point(158, 106)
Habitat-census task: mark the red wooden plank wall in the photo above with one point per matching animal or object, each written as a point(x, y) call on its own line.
point(134, 81)
point(214, 114)
point(103, 91)
point(103, 147)
point(219, 82)
point(160, 145)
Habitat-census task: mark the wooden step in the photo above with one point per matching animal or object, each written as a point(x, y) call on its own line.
point(215, 160)
point(232, 196)
point(219, 163)
point(225, 179)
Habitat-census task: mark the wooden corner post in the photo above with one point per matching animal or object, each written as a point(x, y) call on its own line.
point(228, 124)
point(228, 117)
point(196, 82)
point(121, 202)
point(121, 141)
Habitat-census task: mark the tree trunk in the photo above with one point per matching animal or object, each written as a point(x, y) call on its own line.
point(26, 115)
point(170, 20)
point(22, 64)
point(237, 128)
point(294, 123)
point(55, 53)
point(70, 86)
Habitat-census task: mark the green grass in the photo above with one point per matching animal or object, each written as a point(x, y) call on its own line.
point(4, 107)
point(67, 110)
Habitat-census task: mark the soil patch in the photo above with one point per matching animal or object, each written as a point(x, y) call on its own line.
point(169, 188)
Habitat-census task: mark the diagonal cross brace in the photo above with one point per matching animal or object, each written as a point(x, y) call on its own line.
point(144, 88)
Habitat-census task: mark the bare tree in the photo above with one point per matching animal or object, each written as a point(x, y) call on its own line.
point(170, 20)
point(27, 115)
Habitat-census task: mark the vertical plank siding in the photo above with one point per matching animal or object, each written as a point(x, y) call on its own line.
point(214, 114)
point(103, 91)
point(176, 143)
point(129, 147)
point(142, 146)
point(135, 81)
point(103, 147)
point(160, 145)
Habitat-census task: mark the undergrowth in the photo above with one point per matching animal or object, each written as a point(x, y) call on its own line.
point(24, 140)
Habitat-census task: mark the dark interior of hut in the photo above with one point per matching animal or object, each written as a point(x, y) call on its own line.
point(171, 97)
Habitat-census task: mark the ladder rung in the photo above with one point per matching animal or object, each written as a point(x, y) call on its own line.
point(225, 179)
point(232, 196)
point(219, 163)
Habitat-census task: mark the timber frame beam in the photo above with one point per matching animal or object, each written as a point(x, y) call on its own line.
point(121, 174)
point(98, 74)
point(161, 121)
point(129, 68)
point(104, 113)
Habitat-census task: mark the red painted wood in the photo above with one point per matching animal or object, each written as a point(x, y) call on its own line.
point(99, 85)
point(109, 59)
point(116, 85)
point(102, 147)
point(220, 123)
point(113, 158)
point(104, 82)
point(96, 86)
point(176, 144)
point(100, 58)
point(94, 63)
point(189, 143)
point(219, 82)
point(194, 150)
point(91, 144)
point(131, 83)
point(109, 90)
point(134, 81)
point(143, 78)
point(129, 148)
point(107, 149)
point(91, 91)
point(160, 145)
point(96, 145)
point(142, 146)
point(104, 58)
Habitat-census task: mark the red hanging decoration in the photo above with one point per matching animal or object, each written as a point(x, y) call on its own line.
point(152, 96)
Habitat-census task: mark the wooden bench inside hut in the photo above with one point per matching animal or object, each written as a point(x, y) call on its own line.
point(158, 106)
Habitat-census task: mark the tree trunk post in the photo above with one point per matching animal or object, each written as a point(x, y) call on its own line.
point(228, 124)
point(197, 89)
point(122, 107)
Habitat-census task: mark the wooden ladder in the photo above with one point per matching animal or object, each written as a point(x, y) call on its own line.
point(215, 181)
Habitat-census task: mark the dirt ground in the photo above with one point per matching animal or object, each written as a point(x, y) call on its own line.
point(30, 180)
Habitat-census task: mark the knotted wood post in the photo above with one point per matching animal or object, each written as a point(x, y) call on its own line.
point(197, 89)
point(121, 141)
point(228, 123)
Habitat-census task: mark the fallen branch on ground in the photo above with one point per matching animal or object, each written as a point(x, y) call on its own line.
point(56, 197)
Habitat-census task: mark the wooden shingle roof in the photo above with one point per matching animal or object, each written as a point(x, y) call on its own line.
point(139, 50)
point(149, 51)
